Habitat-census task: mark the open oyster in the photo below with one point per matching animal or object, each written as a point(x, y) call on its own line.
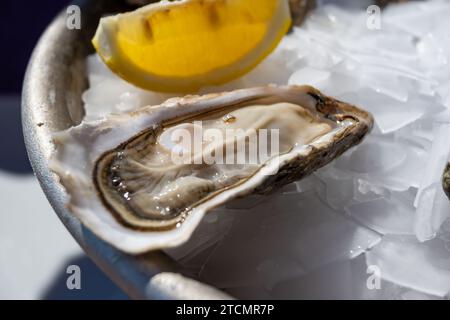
point(138, 186)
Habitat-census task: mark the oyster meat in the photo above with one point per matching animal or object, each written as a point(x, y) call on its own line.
point(143, 180)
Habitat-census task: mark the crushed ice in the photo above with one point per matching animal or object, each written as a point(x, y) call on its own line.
point(381, 204)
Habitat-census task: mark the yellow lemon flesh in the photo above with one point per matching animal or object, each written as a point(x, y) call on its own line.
point(185, 45)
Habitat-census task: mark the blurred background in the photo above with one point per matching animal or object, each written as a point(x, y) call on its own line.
point(35, 247)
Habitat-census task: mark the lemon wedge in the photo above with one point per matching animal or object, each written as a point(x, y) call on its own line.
point(184, 45)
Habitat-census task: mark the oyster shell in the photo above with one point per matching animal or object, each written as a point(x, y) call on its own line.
point(446, 180)
point(300, 9)
point(124, 186)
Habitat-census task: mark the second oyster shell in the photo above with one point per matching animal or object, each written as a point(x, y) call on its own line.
point(446, 180)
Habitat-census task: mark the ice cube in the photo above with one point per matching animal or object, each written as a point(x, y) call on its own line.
point(309, 76)
point(342, 279)
point(386, 215)
point(431, 201)
point(405, 261)
point(297, 231)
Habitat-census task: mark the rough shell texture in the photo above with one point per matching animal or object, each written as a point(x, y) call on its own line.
point(300, 9)
point(79, 148)
point(446, 180)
